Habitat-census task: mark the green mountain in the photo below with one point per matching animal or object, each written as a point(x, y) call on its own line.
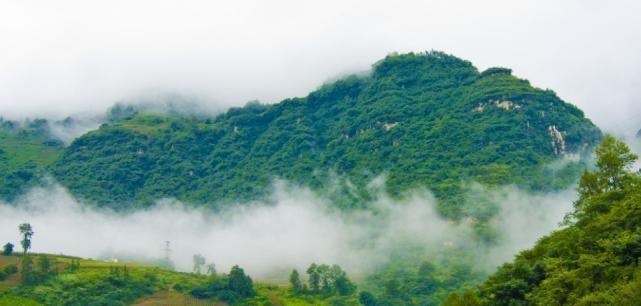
point(592, 261)
point(26, 150)
point(427, 120)
point(421, 120)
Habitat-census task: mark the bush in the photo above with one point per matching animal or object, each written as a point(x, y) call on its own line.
point(232, 288)
point(8, 271)
point(11, 269)
point(7, 249)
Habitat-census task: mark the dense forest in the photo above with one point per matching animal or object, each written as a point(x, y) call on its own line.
point(592, 260)
point(419, 120)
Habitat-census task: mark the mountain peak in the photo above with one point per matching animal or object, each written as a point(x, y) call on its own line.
point(412, 120)
point(421, 120)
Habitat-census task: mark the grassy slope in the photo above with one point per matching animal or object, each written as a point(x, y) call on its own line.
point(93, 278)
point(24, 147)
point(68, 288)
point(24, 156)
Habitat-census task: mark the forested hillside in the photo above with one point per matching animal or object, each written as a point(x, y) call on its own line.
point(427, 120)
point(594, 260)
point(26, 150)
point(420, 120)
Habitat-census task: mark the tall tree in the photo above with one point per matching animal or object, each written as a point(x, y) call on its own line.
point(294, 280)
point(27, 232)
point(614, 160)
point(314, 278)
point(240, 283)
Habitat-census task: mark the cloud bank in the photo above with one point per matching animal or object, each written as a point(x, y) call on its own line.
point(296, 228)
point(69, 57)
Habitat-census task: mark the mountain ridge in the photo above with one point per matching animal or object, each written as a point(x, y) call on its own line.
point(422, 120)
point(416, 121)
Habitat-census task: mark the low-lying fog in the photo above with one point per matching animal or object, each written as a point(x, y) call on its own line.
point(291, 229)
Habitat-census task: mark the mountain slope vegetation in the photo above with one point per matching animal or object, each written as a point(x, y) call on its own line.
point(25, 153)
point(420, 120)
point(427, 120)
point(592, 261)
point(65, 280)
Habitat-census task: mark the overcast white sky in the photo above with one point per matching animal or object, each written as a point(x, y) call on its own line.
point(65, 57)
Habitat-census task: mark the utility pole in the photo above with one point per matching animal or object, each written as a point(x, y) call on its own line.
point(167, 252)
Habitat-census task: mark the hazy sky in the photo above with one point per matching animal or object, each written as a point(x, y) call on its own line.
point(65, 57)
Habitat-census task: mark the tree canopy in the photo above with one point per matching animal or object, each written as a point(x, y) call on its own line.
point(592, 261)
point(419, 119)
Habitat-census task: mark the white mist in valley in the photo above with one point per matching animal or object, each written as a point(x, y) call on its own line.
point(291, 229)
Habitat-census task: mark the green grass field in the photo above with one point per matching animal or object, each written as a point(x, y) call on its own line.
point(97, 283)
point(24, 147)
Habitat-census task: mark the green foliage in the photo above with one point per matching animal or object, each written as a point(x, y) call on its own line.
point(295, 282)
point(26, 231)
point(408, 281)
point(614, 160)
point(327, 285)
point(594, 260)
point(25, 152)
point(496, 71)
point(240, 283)
point(367, 299)
point(7, 271)
point(325, 280)
point(7, 249)
point(96, 284)
point(74, 265)
point(232, 288)
point(468, 298)
point(93, 288)
point(17, 301)
point(422, 120)
point(26, 269)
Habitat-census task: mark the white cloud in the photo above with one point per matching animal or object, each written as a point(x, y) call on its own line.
point(296, 229)
point(59, 58)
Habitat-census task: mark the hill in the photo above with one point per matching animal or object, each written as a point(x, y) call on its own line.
point(26, 150)
point(420, 120)
point(66, 280)
point(594, 260)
